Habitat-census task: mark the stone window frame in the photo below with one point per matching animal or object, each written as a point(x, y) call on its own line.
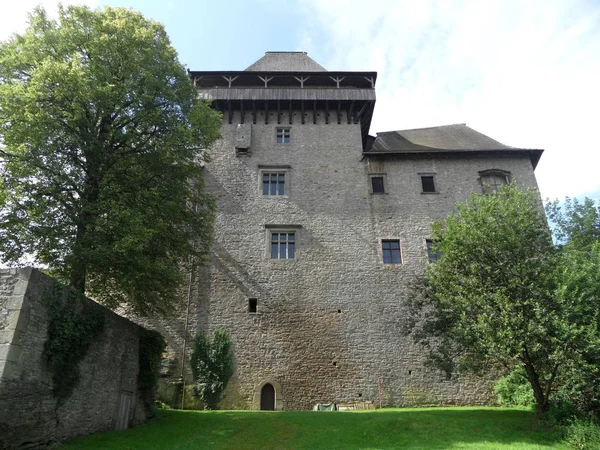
point(435, 184)
point(486, 188)
point(278, 229)
point(384, 179)
point(285, 169)
point(286, 135)
point(400, 252)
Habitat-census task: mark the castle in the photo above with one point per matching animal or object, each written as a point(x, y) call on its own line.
point(320, 228)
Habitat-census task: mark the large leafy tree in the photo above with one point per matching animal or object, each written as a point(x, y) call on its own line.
point(504, 296)
point(101, 143)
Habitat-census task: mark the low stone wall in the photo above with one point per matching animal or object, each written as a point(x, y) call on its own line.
point(106, 396)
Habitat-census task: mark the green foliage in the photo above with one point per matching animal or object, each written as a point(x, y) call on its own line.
point(151, 348)
point(514, 389)
point(504, 295)
point(73, 326)
point(583, 434)
point(212, 366)
point(101, 142)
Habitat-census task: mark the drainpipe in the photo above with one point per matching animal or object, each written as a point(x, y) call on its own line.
point(185, 334)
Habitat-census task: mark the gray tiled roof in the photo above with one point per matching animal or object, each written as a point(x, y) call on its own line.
point(443, 139)
point(286, 62)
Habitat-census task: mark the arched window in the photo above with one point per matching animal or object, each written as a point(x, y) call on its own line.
point(492, 179)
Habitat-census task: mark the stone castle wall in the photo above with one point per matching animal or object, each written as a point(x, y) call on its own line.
point(29, 416)
point(327, 326)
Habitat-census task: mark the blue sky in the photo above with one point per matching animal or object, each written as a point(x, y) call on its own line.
point(526, 73)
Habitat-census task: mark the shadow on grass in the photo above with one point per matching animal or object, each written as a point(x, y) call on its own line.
point(439, 428)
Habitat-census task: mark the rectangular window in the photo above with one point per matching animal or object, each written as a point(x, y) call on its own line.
point(433, 252)
point(391, 251)
point(377, 185)
point(428, 183)
point(273, 183)
point(283, 245)
point(252, 305)
point(283, 135)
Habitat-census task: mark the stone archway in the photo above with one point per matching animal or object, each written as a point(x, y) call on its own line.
point(267, 396)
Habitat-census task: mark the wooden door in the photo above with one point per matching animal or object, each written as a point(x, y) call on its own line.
point(267, 398)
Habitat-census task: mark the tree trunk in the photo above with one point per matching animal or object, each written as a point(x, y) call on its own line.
point(79, 267)
point(541, 400)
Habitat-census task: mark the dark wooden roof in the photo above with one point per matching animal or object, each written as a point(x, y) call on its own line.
point(286, 62)
point(457, 138)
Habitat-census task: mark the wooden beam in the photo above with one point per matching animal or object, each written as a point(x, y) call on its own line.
point(314, 112)
point(229, 111)
point(327, 112)
point(339, 112)
point(351, 111)
point(290, 113)
point(266, 113)
point(278, 112)
point(302, 110)
point(242, 112)
point(254, 112)
point(360, 113)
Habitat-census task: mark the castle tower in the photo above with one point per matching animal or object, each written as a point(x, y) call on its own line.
point(320, 228)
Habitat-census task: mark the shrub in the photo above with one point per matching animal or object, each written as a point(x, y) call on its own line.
point(514, 389)
point(212, 366)
point(583, 434)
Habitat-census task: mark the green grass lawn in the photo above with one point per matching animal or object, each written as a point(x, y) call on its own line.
point(423, 428)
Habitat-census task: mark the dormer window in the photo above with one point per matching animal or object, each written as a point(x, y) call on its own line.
point(493, 179)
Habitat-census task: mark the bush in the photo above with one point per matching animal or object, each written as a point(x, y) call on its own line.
point(583, 434)
point(212, 366)
point(514, 389)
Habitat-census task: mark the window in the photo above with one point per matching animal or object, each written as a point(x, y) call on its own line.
point(283, 135)
point(391, 251)
point(273, 183)
point(377, 184)
point(283, 245)
point(252, 305)
point(428, 184)
point(492, 179)
point(433, 252)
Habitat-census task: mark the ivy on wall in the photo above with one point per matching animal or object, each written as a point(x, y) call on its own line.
point(72, 328)
point(151, 348)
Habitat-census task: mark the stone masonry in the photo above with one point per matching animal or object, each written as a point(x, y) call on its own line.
point(327, 326)
point(106, 395)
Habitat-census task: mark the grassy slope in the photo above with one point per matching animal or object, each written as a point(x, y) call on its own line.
point(426, 428)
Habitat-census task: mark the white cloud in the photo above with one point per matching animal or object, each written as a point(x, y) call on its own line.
point(525, 73)
point(14, 13)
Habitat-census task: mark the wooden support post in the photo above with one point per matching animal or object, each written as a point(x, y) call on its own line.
point(370, 80)
point(351, 111)
point(327, 112)
point(266, 113)
point(339, 112)
point(337, 80)
point(266, 80)
point(242, 112)
point(254, 112)
point(290, 113)
point(301, 80)
point(360, 113)
point(229, 111)
point(302, 110)
point(278, 112)
point(314, 112)
point(230, 79)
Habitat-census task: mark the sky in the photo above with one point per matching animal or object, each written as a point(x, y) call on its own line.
point(526, 73)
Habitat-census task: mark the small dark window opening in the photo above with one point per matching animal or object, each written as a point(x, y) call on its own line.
point(410, 372)
point(252, 305)
point(273, 183)
point(377, 185)
point(334, 363)
point(360, 394)
point(339, 310)
point(391, 251)
point(428, 183)
point(433, 251)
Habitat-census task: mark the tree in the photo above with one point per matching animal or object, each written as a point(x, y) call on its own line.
point(101, 142)
point(212, 366)
point(504, 296)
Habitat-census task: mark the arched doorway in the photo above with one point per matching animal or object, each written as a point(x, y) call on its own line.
point(267, 398)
